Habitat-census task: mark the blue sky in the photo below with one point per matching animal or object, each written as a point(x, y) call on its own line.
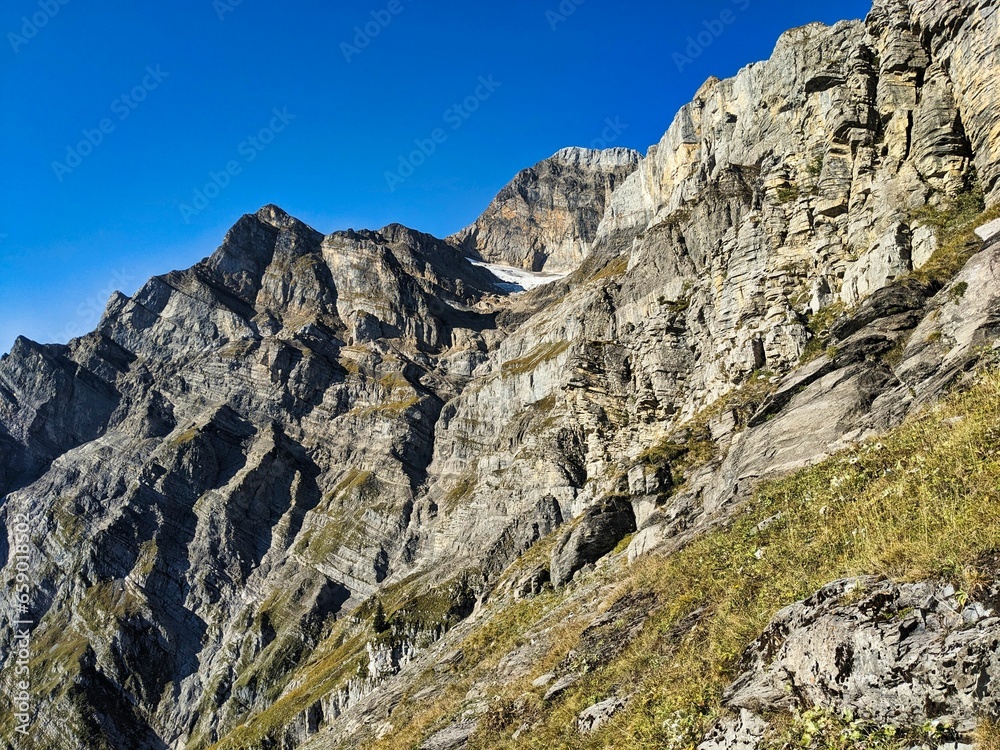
point(135, 134)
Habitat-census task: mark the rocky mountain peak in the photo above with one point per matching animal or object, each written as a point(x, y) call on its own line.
point(275, 216)
point(546, 218)
point(601, 159)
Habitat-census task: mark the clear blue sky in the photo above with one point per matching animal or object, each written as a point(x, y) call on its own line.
point(173, 91)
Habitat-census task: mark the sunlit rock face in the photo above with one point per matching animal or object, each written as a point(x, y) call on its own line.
point(548, 215)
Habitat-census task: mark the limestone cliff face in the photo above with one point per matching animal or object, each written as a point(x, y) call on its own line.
point(546, 218)
point(773, 195)
point(245, 455)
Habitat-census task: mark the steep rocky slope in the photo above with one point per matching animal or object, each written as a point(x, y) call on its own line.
point(300, 493)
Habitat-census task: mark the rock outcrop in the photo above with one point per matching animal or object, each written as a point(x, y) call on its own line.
point(595, 534)
point(890, 654)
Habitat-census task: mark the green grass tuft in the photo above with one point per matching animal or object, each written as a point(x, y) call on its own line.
point(534, 358)
point(955, 226)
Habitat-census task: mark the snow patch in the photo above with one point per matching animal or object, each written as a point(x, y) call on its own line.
point(514, 280)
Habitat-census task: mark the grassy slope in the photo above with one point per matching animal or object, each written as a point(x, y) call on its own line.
point(923, 502)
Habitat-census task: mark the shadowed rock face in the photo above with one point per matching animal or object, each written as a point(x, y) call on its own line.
point(597, 533)
point(243, 452)
point(547, 217)
point(258, 423)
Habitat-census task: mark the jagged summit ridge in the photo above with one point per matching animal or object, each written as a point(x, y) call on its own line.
point(598, 158)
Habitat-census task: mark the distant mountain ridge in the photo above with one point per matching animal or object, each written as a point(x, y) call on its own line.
point(546, 218)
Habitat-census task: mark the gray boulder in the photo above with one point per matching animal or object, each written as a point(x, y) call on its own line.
point(596, 534)
point(892, 654)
